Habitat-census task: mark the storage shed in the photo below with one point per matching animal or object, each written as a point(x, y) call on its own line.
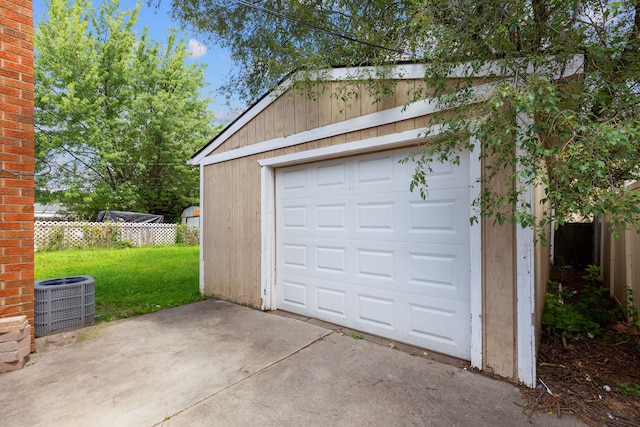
point(191, 216)
point(306, 208)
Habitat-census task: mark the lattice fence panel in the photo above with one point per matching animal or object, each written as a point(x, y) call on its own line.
point(63, 235)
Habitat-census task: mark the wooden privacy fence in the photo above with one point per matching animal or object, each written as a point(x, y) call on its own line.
point(620, 261)
point(55, 235)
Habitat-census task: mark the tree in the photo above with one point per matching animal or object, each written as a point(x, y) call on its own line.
point(578, 137)
point(117, 115)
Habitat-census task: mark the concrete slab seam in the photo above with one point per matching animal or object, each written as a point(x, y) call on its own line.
point(321, 337)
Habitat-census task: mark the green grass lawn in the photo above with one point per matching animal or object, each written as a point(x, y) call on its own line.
point(129, 281)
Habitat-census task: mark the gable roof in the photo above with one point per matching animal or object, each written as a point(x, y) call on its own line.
point(401, 71)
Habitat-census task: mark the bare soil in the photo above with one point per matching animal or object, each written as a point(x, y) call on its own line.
point(596, 379)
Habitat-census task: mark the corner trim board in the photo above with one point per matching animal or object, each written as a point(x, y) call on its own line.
point(525, 280)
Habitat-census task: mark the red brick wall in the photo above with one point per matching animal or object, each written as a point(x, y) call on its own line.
point(16, 158)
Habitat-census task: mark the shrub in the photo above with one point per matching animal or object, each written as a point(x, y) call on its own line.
point(187, 235)
point(591, 308)
point(565, 318)
point(52, 241)
point(98, 236)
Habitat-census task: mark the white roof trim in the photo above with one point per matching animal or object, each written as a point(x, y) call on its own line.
point(573, 66)
point(407, 71)
point(392, 115)
point(372, 144)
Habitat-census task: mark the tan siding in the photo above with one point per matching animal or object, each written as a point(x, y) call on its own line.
point(368, 106)
point(231, 215)
point(312, 107)
point(278, 116)
point(300, 112)
point(338, 106)
point(254, 130)
point(294, 112)
point(325, 115)
point(242, 137)
point(231, 212)
point(387, 102)
point(499, 294)
point(289, 114)
point(621, 261)
point(269, 125)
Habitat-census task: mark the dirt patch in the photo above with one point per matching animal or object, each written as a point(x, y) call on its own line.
point(596, 379)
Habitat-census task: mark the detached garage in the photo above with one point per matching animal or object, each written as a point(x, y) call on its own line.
point(305, 207)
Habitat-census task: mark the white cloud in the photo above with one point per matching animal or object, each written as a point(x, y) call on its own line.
point(226, 116)
point(195, 49)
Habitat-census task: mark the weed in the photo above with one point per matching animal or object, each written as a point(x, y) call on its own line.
point(357, 336)
point(52, 241)
point(187, 235)
point(627, 389)
point(565, 318)
point(593, 274)
point(591, 311)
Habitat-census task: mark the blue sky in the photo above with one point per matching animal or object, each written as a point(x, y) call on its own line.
point(216, 59)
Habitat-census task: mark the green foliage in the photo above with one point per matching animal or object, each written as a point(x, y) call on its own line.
point(187, 235)
point(627, 389)
point(577, 136)
point(129, 281)
point(101, 236)
point(357, 336)
point(580, 312)
point(593, 274)
point(53, 241)
point(266, 47)
point(565, 318)
point(117, 114)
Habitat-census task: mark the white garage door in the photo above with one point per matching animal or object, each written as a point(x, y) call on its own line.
point(355, 247)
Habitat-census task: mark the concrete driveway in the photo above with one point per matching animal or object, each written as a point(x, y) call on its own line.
point(214, 363)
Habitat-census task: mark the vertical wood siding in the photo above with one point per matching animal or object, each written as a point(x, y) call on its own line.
point(231, 210)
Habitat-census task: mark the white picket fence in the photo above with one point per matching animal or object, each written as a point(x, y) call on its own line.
point(62, 234)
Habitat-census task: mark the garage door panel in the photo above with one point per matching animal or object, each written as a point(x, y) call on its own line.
point(295, 256)
point(332, 176)
point(331, 258)
point(294, 293)
point(438, 270)
point(430, 321)
point(326, 299)
point(375, 170)
point(355, 247)
point(376, 264)
point(375, 311)
point(442, 218)
point(375, 216)
point(447, 175)
point(332, 215)
point(331, 302)
point(309, 181)
point(293, 182)
point(294, 217)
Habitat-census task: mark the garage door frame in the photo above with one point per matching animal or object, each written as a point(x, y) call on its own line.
point(387, 142)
